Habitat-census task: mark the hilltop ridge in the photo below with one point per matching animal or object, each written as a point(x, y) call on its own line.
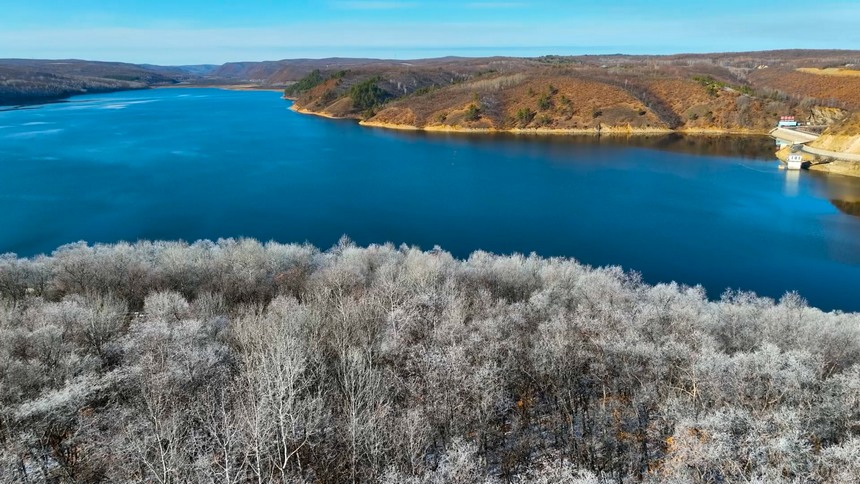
point(27, 81)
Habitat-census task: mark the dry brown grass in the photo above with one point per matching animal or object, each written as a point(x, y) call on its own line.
point(576, 104)
point(848, 126)
point(427, 109)
point(492, 84)
point(830, 71)
point(680, 94)
point(844, 90)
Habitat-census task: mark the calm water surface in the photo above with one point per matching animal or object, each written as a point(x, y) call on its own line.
point(204, 163)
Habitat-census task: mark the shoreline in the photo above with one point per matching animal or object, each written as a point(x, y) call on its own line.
point(814, 163)
point(517, 131)
point(67, 97)
point(225, 87)
point(299, 110)
point(614, 131)
point(840, 167)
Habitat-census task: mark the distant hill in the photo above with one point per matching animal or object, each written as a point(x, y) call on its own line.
point(283, 71)
point(28, 81)
point(195, 70)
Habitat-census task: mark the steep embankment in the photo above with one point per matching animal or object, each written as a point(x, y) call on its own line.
point(842, 138)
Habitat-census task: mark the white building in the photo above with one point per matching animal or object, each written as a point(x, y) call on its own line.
point(787, 122)
point(795, 161)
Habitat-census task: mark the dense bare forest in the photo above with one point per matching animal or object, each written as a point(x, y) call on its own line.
point(26, 81)
point(238, 361)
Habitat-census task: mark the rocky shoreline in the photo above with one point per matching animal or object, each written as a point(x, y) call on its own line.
point(603, 130)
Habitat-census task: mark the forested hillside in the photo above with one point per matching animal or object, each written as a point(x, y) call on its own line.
point(239, 361)
point(731, 92)
point(32, 81)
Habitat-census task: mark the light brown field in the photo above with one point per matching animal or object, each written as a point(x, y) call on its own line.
point(830, 71)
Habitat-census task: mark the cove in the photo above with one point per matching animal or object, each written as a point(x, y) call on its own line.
point(206, 163)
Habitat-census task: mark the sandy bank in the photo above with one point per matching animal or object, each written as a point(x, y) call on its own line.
point(533, 131)
point(720, 131)
point(838, 167)
point(614, 130)
point(315, 113)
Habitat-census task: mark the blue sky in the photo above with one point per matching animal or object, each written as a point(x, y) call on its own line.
point(197, 31)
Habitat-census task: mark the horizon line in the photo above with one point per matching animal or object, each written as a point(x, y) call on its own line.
point(407, 59)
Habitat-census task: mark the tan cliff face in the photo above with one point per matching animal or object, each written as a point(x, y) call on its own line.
point(823, 115)
point(843, 136)
point(849, 144)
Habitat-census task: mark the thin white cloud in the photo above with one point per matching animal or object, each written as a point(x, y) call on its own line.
point(495, 5)
point(373, 5)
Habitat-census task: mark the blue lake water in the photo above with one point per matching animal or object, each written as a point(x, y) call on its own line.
point(206, 163)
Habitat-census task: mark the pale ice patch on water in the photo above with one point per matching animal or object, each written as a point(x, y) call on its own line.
point(34, 134)
point(125, 104)
point(38, 123)
point(104, 104)
point(77, 107)
point(80, 105)
point(187, 154)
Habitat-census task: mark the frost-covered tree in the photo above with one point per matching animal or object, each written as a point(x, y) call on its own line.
point(234, 361)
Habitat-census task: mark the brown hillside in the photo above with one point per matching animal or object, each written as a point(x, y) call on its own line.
point(843, 91)
point(741, 92)
point(580, 98)
point(552, 102)
point(698, 108)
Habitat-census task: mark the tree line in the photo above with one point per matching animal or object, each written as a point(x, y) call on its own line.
point(237, 361)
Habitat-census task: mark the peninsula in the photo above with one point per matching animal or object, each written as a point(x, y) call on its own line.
point(743, 93)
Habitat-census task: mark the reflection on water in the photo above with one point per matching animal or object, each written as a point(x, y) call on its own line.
point(792, 182)
point(850, 208)
point(842, 191)
point(751, 147)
